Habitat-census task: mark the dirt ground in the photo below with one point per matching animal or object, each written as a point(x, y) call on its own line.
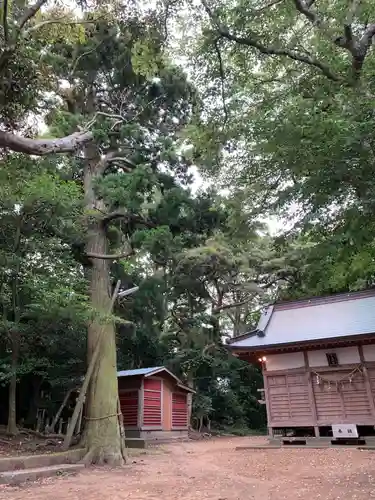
point(27, 443)
point(213, 469)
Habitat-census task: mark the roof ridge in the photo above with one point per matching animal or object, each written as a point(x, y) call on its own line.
point(367, 291)
point(324, 299)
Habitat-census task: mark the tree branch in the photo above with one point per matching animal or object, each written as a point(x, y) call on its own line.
point(43, 147)
point(366, 39)
point(122, 214)
point(114, 116)
point(222, 79)
point(116, 256)
point(353, 7)
point(112, 157)
point(5, 21)
point(122, 159)
point(232, 306)
point(30, 13)
point(357, 48)
point(304, 9)
point(267, 6)
point(289, 53)
point(251, 41)
point(61, 20)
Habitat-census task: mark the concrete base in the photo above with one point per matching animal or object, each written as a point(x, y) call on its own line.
point(259, 447)
point(36, 461)
point(155, 435)
point(322, 442)
point(136, 443)
point(16, 477)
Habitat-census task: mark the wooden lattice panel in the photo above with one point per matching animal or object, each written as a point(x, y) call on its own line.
point(152, 402)
point(179, 410)
point(129, 407)
point(288, 398)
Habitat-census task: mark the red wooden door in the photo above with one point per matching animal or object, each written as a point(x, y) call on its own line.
point(152, 402)
point(179, 410)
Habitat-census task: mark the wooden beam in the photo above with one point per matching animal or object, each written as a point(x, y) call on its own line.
point(310, 389)
point(325, 422)
point(140, 405)
point(259, 351)
point(367, 380)
point(267, 399)
point(318, 369)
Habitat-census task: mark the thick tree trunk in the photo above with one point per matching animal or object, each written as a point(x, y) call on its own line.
point(15, 338)
point(12, 410)
point(102, 435)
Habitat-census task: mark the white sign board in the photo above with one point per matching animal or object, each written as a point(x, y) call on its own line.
point(344, 431)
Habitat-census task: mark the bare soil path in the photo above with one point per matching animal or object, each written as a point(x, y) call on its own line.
point(214, 470)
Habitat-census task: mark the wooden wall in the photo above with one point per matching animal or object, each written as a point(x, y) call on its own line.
point(288, 399)
point(316, 394)
point(167, 405)
point(153, 404)
point(129, 389)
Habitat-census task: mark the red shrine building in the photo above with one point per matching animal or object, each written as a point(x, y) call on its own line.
point(318, 362)
point(154, 404)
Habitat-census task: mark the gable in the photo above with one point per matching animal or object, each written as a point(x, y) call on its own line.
point(159, 371)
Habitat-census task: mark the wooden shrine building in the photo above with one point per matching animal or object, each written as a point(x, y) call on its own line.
point(318, 361)
point(154, 403)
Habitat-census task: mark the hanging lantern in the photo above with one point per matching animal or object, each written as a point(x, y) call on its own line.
point(317, 380)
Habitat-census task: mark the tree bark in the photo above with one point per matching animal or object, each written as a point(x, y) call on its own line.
point(86, 382)
point(43, 147)
point(102, 436)
point(12, 409)
point(15, 337)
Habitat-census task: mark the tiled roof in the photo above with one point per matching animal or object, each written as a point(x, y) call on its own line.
point(145, 372)
point(319, 318)
point(139, 371)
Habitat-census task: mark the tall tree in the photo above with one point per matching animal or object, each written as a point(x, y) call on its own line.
point(128, 103)
point(33, 204)
point(290, 106)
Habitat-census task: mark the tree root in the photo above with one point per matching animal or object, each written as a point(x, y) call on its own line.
point(99, 456)
point(40, 434)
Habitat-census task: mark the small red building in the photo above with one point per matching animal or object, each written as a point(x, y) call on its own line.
point(154, 403)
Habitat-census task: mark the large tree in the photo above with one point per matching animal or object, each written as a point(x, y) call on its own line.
point(288, 120)
point(117, 103)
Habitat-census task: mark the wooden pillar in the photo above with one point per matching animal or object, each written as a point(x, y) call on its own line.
point(267, 399)
point(140, 406)
point(311, 394)
point(367, 380)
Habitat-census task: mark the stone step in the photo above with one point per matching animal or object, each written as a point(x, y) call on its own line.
point(135, 443)
point(259, 447)
point(35, 461)
point(17, 477)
